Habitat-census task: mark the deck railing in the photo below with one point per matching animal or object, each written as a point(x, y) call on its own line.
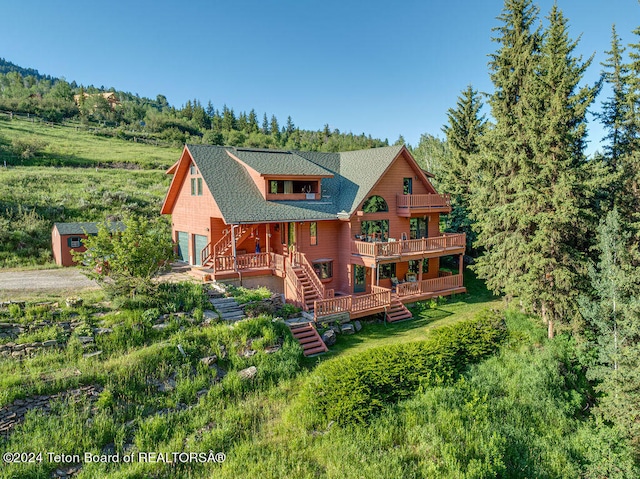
point(277, 262)
point(301, 260)
point(244, 261)
point(429, 285)
point(378, 298)
point(291, 278)
point(423, 201)
point(408, 247)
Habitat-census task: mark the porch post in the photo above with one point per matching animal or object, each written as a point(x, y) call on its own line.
point(268, 237)
point(374, 272)
point(233, 247)
point(377, 274)
point(420, 264)
point(461, 264)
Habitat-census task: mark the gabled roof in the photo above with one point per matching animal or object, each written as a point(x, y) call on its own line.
point(274, 162)
point(349, 177)
point(85, 228)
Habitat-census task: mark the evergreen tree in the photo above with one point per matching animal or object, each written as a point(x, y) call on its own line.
point(265, 124)
point(529, 199)
point(464, 134)
point(614, 108)
point(275, 130)
point(252, 121)
point(559, 216)
point(496, 204)
point(228, 119)
point(612, 314)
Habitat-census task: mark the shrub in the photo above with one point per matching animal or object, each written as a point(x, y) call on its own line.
point(244, 295)
point(288, 311)
point(259, 309)
point(351, 390)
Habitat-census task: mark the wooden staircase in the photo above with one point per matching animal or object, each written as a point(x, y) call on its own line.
point(310, 292)
point(397, 311)
point(308, 338)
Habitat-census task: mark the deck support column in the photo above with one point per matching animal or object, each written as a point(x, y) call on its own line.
point(420, 265)
point(375, 275)
point(233, 247)
point(268, 238)
point(461, 264)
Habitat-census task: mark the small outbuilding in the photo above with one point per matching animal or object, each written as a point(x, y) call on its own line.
point(70, 236)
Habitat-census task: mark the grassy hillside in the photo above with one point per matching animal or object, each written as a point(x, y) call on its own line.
point(519, 413)
point(33, 198)
point(64, 174)
point(27, 143)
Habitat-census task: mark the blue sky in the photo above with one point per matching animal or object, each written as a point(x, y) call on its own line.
point(382, 68)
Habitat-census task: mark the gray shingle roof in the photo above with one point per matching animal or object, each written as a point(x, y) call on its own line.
point(82, 228)
point(240, 201)
point(273, 162)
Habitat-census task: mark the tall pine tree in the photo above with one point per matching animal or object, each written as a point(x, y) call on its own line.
point(533, 215)
point(497, 204)
point(612, 314)
point(464, 134)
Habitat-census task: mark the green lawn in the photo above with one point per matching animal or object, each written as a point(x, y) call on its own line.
point(450, 310)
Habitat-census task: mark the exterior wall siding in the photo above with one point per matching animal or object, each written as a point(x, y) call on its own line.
point(193, 214)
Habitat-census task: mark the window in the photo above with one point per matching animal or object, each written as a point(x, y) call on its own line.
point(75, 242)
point(313, 233)
point(193, 170)
point(375, 230)
point(199, 186)
point(278, 187)
point(418, 228)
point(375, 204)
point(193, 187)
point(407, 186)
point(387, 270)
point(324, 269)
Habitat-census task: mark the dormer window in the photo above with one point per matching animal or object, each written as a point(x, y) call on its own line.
point(289, 187)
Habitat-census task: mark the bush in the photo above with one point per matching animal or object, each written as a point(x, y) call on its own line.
point(288, 311)
point(351, 390)
point(259, 309)
point(244, 295)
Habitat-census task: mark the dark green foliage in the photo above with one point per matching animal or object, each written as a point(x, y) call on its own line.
point(353, 389)
point(612, 314)
point(464, 134)
point(532, 188)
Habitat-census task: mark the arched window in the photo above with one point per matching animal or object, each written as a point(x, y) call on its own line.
point(375, 204)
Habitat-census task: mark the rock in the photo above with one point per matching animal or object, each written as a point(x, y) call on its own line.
point(248, 373)
point(273, 349)
point(329, 337)
point(247, 353)
point(73, 302)
point(91, 355)
point(335, 328)
point(168, 385)
point(50, 343)
point(357, 325)
point(348, 328)
point(100, 331)
point(160, 327)
point(209, 360)
point(85, 339)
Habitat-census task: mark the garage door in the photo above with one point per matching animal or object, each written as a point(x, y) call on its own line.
point(200, 242)
point(183, 246)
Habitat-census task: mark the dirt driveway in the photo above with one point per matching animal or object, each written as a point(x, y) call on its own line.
point(18, 284)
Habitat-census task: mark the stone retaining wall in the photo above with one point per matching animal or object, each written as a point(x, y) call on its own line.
point(14, 413)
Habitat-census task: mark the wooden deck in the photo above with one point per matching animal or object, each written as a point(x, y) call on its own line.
point(408, 205)
point(380, 299)
point(403, 250)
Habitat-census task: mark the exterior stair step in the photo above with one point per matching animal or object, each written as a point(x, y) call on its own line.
point(398, 312)
point(228, 309)
point(308, 338)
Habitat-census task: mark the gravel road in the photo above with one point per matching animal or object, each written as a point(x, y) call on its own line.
point(15, 284)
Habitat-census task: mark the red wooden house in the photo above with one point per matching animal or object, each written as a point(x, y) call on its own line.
point(354, 232)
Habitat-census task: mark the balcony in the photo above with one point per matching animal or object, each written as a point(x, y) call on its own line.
point(409, 249)
point(408, 205)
